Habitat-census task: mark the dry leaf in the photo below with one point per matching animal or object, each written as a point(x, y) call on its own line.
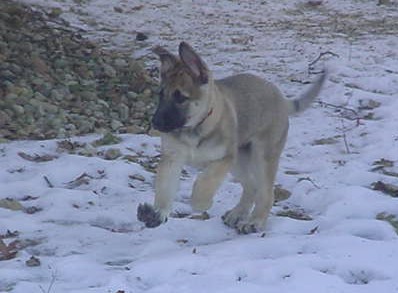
point(297, 215)
point(202, 216)
point(83, 179)
point(281, 193)
point(182, 241)
point(8, 251)
point(314, 230)
point(33, 262)
point(11, 204)
point(9, 234)
point(37, 158)
point(386, 188)
point(29, 197)
point(32, 210)
point(137, 177)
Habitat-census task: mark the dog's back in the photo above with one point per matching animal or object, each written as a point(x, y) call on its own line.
point(258, 104)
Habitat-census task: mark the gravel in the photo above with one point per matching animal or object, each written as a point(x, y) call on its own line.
point(55, 84)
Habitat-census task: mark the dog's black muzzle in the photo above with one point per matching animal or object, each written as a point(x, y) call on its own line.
point(168, 118)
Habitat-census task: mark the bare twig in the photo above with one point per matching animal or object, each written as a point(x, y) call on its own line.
point(312, 63)
point(324, 104)
point(300, 81)
point(48, 181)
point(50, 286)
point(347, 148)
point(310, 180)
point(346, 144)
point(344, 131)
point(354, 114)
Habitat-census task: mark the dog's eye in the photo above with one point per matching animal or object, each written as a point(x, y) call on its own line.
point(179, 97)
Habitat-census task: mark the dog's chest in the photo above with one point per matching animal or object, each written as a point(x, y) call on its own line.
point(205, 153)
point(200, 152)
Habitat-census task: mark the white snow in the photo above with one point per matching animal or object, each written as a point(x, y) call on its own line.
point(87, 236)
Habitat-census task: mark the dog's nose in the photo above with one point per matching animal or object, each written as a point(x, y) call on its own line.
point(167, 118)
point(157, 123)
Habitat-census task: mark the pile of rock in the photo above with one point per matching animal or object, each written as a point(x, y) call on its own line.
point(54, 83)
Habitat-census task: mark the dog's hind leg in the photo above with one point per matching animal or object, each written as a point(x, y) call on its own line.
point(239, 214)
point(265, 166)
point(263, 201)
point(208, 182)
point(243, 174)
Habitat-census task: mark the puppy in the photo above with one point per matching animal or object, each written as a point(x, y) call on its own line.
point(238, 124)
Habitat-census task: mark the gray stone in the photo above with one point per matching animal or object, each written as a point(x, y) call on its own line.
point(120, 62)
point(114, 115)
point(132, 95)
point(11, 98)
point(115, 124)
point(24, 92)
point(3, 46)
point(112, 154)
point(16, 69)
point(60, 63)
point(85, 126)
point(62, 133)
point(29, 120)
point(39, 96)
point(56, 95)
point(7, 74)
point(99, 114)
point(70, 127)
point(49, 108)
point(140, 105)
point(37, 81)
point(4, 118)
point(19, 110)
point(124, 112)
point(9, 112)
point(103, 103)
point(89, 95)
point(109, 70)
point(38, 107)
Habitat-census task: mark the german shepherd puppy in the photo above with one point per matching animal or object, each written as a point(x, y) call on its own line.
point(236, 124)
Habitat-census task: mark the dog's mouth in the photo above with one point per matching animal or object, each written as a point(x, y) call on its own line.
point(167, 127)
point(168, 118)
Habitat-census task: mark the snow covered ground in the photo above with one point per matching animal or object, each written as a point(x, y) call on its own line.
point(75, 211)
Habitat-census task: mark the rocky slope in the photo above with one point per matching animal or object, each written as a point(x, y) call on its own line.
point(54, 83)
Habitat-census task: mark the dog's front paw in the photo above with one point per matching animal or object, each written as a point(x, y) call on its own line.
point(147, 214)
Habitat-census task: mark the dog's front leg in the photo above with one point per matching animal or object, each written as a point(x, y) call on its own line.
point(208, 182)
point(166, 187)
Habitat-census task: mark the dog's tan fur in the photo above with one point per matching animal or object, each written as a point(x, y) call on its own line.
point(238, 124)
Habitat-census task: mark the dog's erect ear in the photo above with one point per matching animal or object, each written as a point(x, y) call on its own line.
point(167, 59)
point(195, 64)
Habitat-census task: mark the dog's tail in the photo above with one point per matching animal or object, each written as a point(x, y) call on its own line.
point(306, 98)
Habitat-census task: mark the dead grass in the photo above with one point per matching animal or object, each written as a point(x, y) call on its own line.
point(308, 21)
